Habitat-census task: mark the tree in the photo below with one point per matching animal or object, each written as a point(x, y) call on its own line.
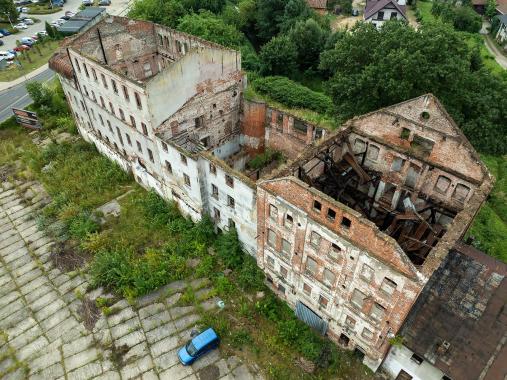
point(373, 68)
point(278, 56)
point(295, 10)
point(269, 15)
point(491, 8)
point(8, 10)
point(467, 20)
point(50, 30)
point(214, 6)
point(309, 39)
point(164, 12)
point(211, 28)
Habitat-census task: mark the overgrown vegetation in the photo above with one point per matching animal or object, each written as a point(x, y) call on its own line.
point(292, 94)
point(264, 159)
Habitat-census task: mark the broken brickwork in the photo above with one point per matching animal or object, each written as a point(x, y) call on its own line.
point(375, 208)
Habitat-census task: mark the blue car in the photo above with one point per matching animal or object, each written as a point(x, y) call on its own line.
point(5, 32)
point(198, 346)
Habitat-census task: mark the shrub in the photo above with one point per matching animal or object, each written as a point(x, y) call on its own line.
point(158, 211)
point(229, 250)
point(263, 159)
point(223, 286)
point(205, 266)
point(250, 277)
point(292, 94)
point(82, 225)
point(241, 338)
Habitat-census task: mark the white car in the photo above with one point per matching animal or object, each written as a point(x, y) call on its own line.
point(28, 21)
point(42, 33)
point(7, 55)
point(24, 10)
point(61, 21)
point(21, 26)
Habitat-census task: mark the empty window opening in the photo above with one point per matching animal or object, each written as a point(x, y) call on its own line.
point(416, 359)
point(229, 180)
point(214, 191)
point(317, 206)
point(346, 223)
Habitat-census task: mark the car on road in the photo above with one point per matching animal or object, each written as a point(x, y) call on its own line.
point(28, 21)
point(69, 13)
point(198, 346)
point(42, 33)
point(87, 2)
point(21, 26)
point(5, 32)
point(1, 43)
point(105, 2)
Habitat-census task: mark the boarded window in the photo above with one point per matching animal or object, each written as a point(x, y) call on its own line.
point(359, 146)
point(273, 212)
point(329, 277)
point(367, 334)
point(397, 164)
point(311, 266)
point(323, 301)
point(358, 298)
point(373, 152)
point(286, 247)
point(442, 184)
point(388, 286)
point(271, 238)
point(315, 239)
point(300, 126)
point(270, 262)
point(461, 192)
point(412, 176)
point(367, 272)
point(377, 312)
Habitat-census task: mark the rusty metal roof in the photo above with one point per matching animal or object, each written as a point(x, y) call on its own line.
point(459, 322)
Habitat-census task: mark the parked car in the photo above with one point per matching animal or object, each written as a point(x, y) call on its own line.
point(58, 3)
point(42, 33)
point(28, 21)
point(7, 55)
point(198, 346)
point(69, 13)
point(5, 32)
point(1, 35)
point(61, 21)
point(27, 41)
point(105, 2)
point(21, 26)
point(87, 2)
point(1, 43)
point(24, 10)
point(21, 48)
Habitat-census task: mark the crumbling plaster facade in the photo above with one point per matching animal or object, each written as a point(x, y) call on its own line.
point(175, 117)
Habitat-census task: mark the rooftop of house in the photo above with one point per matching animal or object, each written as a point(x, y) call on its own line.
point(373, 6)
point(459, 322)
point(130, 48)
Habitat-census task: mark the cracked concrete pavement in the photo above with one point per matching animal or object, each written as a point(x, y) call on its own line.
point(42, 335)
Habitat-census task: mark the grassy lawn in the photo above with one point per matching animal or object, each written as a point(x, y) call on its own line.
point(34, 61)
point(36, 9)
point(490, 226)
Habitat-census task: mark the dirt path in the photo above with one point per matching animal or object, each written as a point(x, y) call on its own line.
point(499, 57)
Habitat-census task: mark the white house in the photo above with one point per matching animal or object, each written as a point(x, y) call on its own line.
point(379, 11)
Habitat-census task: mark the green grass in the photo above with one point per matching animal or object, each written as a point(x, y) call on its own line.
point(490, 226)
point(37, 60)
point(316, 118)
point(425, 11)
point(37, 9)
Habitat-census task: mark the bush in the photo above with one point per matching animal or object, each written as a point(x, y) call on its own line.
point(250, 277)
point(82, 225)
point(292, 94)
point(263, 159)
point(229, 249)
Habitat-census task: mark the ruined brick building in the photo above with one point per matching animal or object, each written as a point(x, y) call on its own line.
point(348, 230)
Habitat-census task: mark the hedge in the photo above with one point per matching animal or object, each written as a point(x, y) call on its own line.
point(292, 94)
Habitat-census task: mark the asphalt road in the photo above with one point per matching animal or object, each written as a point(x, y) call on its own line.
point(17, 97)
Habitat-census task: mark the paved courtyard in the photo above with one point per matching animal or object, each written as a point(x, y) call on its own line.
point(50, 327)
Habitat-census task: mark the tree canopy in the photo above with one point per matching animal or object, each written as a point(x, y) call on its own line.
point(373, 68)
point(7, 7)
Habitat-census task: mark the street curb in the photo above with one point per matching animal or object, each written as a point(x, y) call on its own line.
point(30, 75)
